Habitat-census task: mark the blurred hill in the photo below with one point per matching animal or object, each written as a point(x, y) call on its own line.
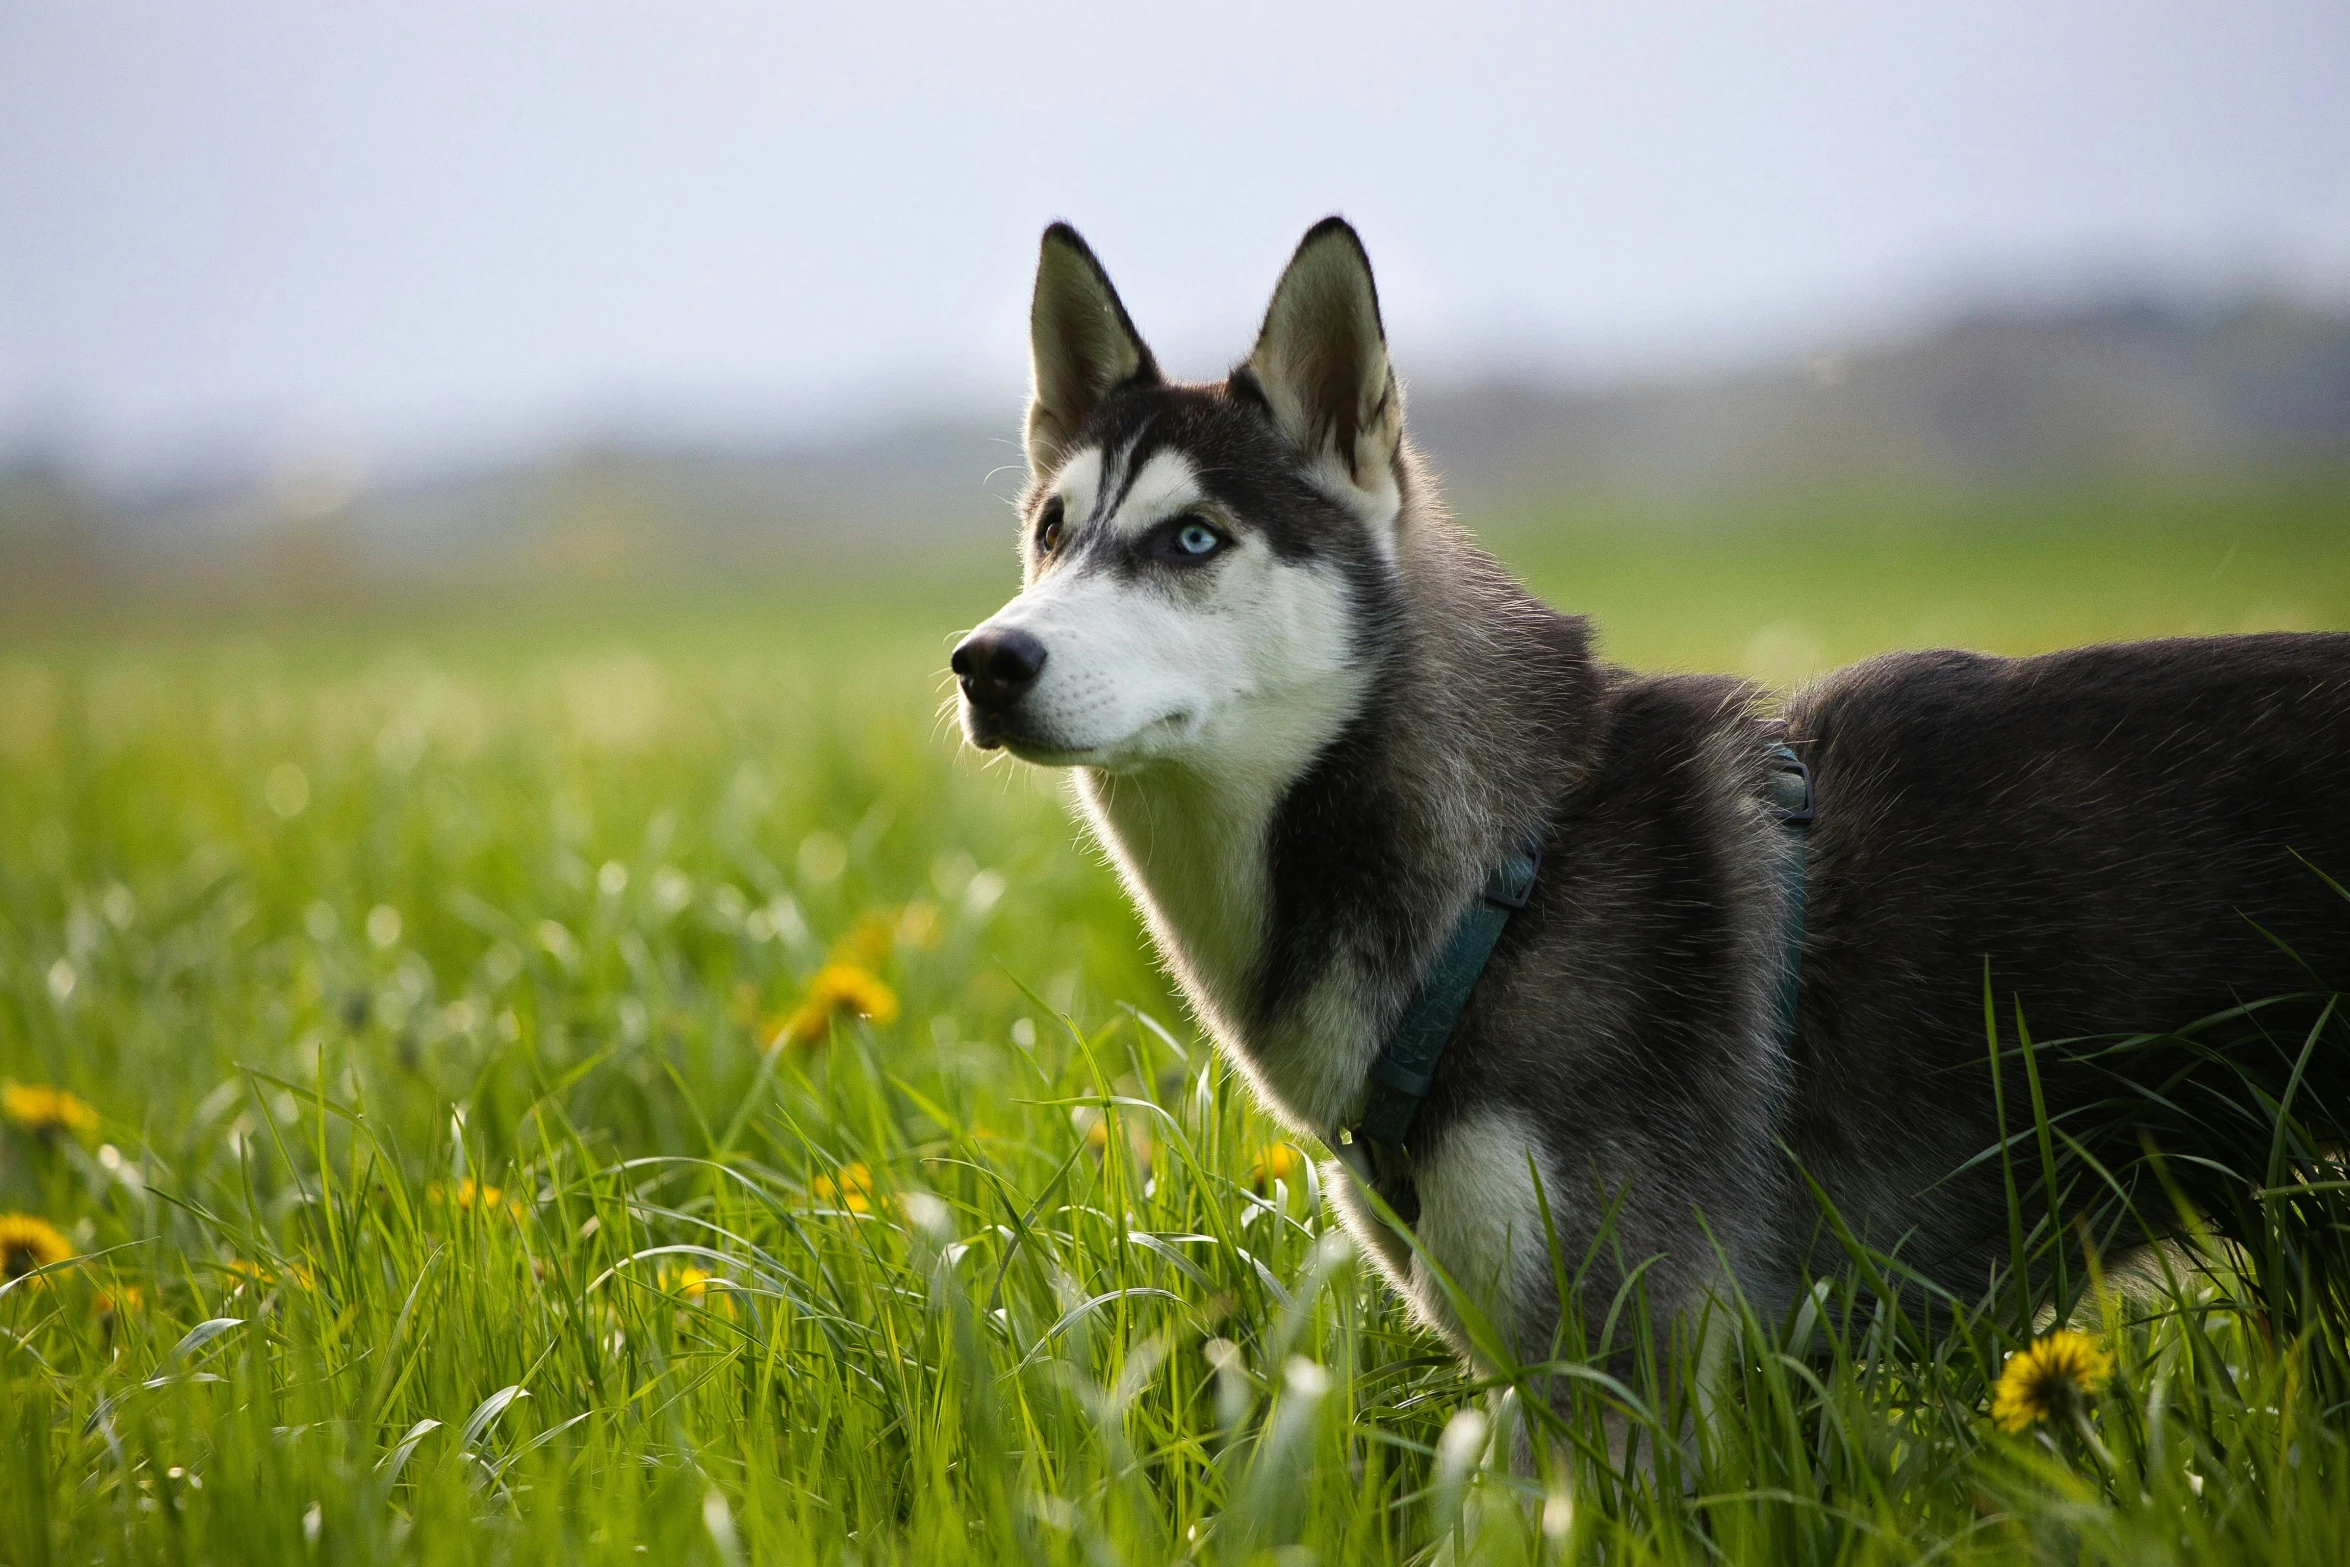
point(2135, 394)
point(2134, 391)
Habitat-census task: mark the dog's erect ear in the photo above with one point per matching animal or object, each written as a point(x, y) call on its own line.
point(1321, 360)
point(1081, 345)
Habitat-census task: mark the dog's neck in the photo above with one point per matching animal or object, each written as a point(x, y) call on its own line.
point(1298, 888)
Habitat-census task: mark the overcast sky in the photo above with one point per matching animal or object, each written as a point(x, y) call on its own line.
point(428, 229)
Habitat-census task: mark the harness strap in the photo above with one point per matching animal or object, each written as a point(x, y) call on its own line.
point(1401, 1076)
point(1791, 803)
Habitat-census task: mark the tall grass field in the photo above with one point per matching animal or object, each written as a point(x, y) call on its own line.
point(573, 1083)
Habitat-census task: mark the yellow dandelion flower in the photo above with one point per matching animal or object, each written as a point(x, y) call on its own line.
point(266, 1275)
point(472, 1193)
point(700, 1286)
point(2052, 1380)
point(113, 1307)
point(837, 988)
point(1280, 1162)
point(46, 1111)
point(1097, 1136)
point(27, 1243)
point(850, 1187)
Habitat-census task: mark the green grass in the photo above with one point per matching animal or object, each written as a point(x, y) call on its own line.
point(329, 920)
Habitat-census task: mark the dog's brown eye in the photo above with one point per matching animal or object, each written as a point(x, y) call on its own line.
point(1048, 531)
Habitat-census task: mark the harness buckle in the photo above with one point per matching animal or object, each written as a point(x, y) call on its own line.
point(1790, 788)
point(1509, 884)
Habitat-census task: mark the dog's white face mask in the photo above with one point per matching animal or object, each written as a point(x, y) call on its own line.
point(1167, 627)
point(1196, 558)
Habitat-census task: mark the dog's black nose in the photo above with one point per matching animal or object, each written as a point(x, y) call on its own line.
point(997, 666)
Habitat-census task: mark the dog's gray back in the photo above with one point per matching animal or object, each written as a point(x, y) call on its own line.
point(2116, 839)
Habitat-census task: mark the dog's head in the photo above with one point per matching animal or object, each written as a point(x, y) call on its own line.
point(1205, 566)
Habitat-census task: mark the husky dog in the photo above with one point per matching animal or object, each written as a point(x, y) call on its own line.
point(1307, 716)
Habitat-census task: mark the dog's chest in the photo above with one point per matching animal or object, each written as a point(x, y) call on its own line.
point(1194, 862)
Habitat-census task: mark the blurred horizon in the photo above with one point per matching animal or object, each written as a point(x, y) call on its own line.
point(2100, 412)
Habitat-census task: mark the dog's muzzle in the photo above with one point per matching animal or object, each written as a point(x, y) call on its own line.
point(996, 669)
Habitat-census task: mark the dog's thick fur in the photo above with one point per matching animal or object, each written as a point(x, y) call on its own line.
point(1305, 743)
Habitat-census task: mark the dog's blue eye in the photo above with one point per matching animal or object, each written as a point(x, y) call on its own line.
point(1197, 538)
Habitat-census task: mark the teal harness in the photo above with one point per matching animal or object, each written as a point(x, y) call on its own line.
point(1401, 1077)
point(1790, 795)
